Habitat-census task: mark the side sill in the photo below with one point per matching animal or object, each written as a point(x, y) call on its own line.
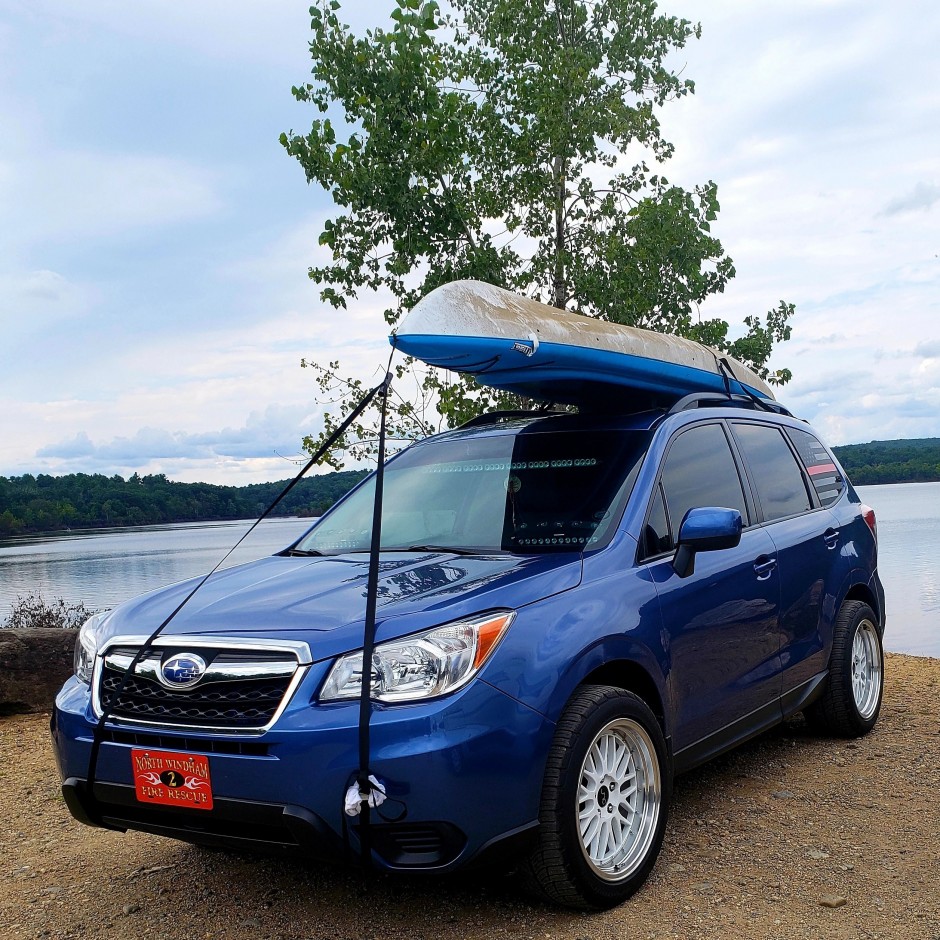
point(751, 725)
point(739, 731)
point(804, 694)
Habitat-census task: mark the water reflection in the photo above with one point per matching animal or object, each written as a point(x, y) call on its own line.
point(104, 567)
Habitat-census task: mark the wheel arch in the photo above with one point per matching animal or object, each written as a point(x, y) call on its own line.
point(624, 665)
point(631, 677)
point(860, 591)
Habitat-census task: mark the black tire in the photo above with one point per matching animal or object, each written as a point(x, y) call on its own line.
point(851, 702)
point(561, 868)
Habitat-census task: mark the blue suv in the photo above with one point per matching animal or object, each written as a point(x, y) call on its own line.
point(571, 610)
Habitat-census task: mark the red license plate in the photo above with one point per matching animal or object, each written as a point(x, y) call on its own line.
point(172, 779)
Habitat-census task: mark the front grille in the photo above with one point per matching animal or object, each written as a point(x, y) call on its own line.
point(240, 691)
point(172, 742)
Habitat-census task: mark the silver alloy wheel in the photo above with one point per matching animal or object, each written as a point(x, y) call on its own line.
point(619, 797)
point(866, 669)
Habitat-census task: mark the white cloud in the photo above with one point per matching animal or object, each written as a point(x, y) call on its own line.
point(920, 199)
point(276, 429)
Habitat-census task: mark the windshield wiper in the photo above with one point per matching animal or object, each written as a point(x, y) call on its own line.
point(443, 548)
point(301, 552)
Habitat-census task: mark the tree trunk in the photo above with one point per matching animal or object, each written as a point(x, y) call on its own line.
point(559, 286)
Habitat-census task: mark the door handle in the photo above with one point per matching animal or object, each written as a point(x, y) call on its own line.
point(831, 538)
point(764, 567)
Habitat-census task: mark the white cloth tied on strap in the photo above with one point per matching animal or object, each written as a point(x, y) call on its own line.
point(355, 797)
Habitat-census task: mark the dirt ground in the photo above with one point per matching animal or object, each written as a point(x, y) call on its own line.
point(759, 843)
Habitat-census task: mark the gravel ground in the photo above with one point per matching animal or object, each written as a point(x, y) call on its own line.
point(789, 837)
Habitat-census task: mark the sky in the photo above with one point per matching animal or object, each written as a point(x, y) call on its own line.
point(155, 237)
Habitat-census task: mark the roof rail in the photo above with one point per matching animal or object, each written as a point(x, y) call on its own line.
point(710, 399)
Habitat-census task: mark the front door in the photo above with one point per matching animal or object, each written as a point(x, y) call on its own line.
point(720, 624)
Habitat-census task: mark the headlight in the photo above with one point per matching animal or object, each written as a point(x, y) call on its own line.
point(423, 665)
point(86, 646)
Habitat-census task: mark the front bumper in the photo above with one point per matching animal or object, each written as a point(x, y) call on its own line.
point(463, 776)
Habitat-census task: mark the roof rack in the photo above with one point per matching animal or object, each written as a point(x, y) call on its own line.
point(686, 403)
point(713, 399)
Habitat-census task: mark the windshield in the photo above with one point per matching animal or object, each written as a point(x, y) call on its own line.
point(522, 493)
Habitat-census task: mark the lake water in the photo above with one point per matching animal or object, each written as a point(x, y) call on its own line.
point(100, 568)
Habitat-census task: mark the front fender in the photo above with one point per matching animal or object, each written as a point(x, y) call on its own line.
point(621, 661)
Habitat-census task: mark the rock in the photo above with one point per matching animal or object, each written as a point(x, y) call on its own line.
point(782, 795)
point(816, 853)
point(129, 909)
point(33, 666)
point(833, 900)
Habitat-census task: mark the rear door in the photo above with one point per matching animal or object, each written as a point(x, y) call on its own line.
point(720, 623)
point(807, 544)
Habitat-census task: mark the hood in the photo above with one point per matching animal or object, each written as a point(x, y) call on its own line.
point(322, 599)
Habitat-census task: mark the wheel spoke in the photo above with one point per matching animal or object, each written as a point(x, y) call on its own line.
point(589, 778)
point(589, 831)
point(590, 766)
point(627, 791)
point(624, 760)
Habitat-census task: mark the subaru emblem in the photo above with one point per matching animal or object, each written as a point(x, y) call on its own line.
point(182, 670)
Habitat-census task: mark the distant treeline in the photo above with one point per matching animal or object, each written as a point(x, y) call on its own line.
point(913, 461)
point(46, 503)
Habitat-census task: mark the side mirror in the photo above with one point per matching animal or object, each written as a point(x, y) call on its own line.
point(707, 529)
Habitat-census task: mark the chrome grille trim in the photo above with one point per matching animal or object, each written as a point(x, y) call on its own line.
point(118, 660)
point(149, 668)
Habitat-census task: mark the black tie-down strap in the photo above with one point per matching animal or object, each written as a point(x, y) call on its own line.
point(363, 775)
point(147, 646)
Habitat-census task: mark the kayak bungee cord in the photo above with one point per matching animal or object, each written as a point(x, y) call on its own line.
point(108, 709)
point(724, 367)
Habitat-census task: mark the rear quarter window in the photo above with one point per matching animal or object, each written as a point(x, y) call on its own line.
point(825, 476)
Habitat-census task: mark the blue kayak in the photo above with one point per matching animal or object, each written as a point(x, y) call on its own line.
point(519, 345)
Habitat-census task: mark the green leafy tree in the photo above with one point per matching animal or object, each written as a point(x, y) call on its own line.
point(518, 143)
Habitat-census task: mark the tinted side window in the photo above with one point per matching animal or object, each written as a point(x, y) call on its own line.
point(822, 471)
point(656, 538)
point(700, 471)
point(775, 472)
